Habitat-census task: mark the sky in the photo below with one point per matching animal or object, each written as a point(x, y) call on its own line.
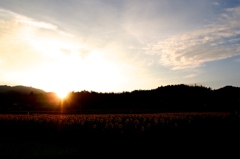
point(119, 45)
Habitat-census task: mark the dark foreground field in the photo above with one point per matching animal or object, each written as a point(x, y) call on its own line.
point(166, 135)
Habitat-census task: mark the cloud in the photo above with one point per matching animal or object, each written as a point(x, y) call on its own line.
point(31, 22)
point(15, 24)
point(66, 34)
point(83, 53)
point(23, 20)
point(66, 51)
point(215, 41)
point(26, 43)
point(190, 76)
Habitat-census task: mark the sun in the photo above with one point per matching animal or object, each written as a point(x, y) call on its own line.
point(62, 94)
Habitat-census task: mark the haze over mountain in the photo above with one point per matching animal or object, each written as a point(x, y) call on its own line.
point(20, 89)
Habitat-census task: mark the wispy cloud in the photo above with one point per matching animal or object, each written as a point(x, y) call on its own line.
point(216, 41)
point(23, 20)
point(13, 23)
point(190, 76)
point(27, 42)
point(31, 22)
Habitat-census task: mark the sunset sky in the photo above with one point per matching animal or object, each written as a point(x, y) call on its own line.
point(119, 45)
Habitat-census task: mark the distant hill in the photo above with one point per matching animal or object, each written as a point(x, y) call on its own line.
point(229, 89)
point(20, 89)
point(171, 98)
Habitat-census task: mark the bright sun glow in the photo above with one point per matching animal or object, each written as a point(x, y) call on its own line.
point(65, 67)
point(62, 94)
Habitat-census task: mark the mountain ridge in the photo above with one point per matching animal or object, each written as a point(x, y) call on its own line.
point(20, 89)
point(29, 89)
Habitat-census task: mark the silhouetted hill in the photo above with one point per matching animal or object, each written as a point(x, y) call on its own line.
point(20, 89)
point(170, 98)
point(228, 89)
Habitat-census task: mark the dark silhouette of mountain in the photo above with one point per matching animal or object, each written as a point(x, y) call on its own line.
point(170, 98)
point(228, 89)
point(20, 89)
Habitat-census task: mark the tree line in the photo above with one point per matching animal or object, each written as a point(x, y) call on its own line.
point(170, 98)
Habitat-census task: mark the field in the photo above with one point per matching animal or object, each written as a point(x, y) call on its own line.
point(162, 135)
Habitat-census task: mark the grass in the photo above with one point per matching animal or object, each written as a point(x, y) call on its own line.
point(170, 135)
